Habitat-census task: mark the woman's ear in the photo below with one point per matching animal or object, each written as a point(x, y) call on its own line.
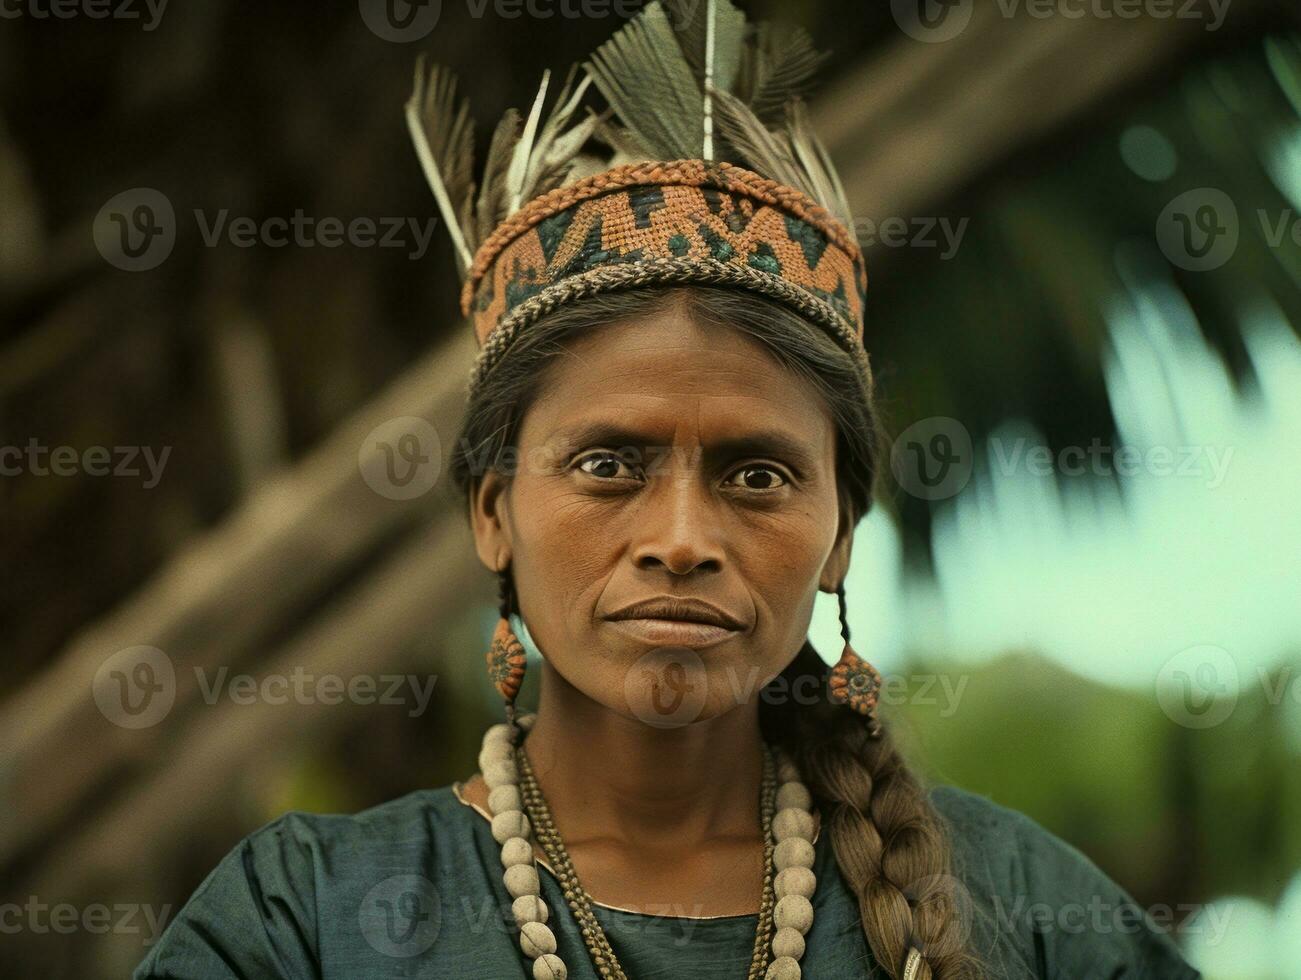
point(836, 567)
point(490, 521)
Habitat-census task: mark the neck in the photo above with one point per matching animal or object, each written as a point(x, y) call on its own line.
point(607, 776)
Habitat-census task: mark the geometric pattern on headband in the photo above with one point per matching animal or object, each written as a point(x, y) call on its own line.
point(687, 221)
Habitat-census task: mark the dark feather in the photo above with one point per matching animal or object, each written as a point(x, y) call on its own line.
point(779, 65)
point(646, 78)
point(689, 19)
point(491, 207)
point(759, 148)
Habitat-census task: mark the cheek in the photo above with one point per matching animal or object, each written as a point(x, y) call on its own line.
point(784, 557)
point(563, 550)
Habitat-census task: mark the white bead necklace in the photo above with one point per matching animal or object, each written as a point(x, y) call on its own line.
point(792, 856)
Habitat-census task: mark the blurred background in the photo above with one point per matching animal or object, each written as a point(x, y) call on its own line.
point(232, 365)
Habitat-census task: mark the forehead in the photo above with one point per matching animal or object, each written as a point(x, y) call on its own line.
point(666, 370)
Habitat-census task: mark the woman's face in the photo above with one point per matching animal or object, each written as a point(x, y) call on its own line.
point(668, 460)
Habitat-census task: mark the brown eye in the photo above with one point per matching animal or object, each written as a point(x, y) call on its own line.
point(758, 478)
point(605, 465)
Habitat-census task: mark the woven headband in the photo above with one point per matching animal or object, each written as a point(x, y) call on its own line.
point(685, 222)
point(553, 222)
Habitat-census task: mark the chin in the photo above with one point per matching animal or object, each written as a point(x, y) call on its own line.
point(671, 687)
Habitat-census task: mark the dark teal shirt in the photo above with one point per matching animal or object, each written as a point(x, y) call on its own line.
point(413, 888)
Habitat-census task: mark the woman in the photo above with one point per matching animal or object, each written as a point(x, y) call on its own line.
point(669, 441)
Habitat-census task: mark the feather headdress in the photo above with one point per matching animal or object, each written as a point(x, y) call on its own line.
point(702, 167)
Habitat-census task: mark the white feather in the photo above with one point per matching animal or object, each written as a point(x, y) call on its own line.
point(711, 14)
point(519, 164)
point(432, 174)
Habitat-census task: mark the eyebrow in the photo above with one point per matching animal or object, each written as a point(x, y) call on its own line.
point(754, 442)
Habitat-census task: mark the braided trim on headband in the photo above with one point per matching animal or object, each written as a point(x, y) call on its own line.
point(694, 173)
point(656, 271)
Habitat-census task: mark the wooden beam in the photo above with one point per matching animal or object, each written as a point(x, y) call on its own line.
point(220, 598)
point(199, 759)
point(918, 122)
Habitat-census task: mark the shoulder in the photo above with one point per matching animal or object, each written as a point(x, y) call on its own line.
point(291, 891)
point(414, 808)
point(1040, 902)
point(420, 818)
point(1000, 842)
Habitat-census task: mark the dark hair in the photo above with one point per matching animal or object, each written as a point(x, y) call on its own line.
point(891, 847)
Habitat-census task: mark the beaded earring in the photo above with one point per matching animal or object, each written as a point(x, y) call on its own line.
point(854, 681)
point(506, 657)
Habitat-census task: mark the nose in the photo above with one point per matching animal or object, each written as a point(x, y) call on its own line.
point(677, 527)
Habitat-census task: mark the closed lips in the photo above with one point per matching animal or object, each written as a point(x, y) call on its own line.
point(681, 609)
